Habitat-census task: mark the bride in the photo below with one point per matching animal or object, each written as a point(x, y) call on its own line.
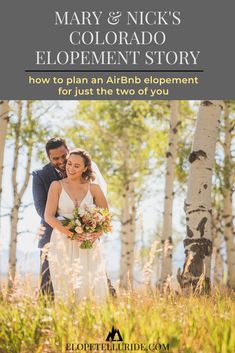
point(75, 270)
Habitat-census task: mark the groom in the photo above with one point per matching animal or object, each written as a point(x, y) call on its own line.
point(57, 151)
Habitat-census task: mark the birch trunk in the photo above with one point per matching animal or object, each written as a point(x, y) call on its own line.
point(17, 195)
point(228, 190)
point(166, 268)
point(218, 261)
point(4, 118)
point(198, 241)
point(217, 246)
point(132, 230)
point(128, 220)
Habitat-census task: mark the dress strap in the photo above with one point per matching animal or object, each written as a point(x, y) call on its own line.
point(61, 184)
point(89, 189)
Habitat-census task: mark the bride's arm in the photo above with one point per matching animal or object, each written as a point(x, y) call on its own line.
point(51, 208)
point(98, 196)
point(100, 201)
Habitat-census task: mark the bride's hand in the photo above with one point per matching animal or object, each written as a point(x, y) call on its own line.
point(96, 236)
point(67, 232)
point(81, 237)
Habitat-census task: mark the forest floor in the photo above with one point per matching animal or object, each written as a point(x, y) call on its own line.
point(146, 321)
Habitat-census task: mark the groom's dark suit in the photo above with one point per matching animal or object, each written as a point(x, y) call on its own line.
point(42, 180)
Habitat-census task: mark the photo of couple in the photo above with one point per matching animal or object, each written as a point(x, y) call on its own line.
point(66, 182)
point(117, 225)
point(117, 174)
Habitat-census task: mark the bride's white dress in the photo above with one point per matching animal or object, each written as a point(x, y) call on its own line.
point(72, 269)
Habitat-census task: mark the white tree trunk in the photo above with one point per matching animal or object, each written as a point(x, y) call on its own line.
point(132, 229)
point(4, 118)
point(228, 190)
point(17, 195)
point(198, 241)
point(128, 221)
point(217, 240)
point(166, 268)
point(218, 261)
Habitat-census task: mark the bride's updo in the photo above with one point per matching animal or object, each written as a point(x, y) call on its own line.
point(88, 175)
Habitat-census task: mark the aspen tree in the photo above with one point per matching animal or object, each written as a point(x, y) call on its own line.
point(4, 119)
point(229, 175)
point(198, 241)
point(166, 268)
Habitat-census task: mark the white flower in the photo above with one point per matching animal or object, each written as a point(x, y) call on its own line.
point(82, 210)
point(78, 230)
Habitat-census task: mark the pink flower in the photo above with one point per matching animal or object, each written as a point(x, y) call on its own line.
point(98, 217)
point(78, 230)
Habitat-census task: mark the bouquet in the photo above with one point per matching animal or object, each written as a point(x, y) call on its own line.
point(86, 220)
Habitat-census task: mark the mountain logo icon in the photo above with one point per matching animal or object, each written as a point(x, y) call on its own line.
point(114, 332)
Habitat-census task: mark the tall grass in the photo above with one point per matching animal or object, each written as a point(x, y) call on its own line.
point(193, 324)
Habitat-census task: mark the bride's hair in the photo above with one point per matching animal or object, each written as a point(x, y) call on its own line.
point(88, 175)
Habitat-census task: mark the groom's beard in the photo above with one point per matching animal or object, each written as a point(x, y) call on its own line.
point(63, 174)
point(62, 170)
point(60, 167)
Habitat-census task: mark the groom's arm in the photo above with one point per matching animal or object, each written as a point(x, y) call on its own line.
point(39, 195)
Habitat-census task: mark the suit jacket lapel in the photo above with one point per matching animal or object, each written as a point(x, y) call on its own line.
point(54, 175)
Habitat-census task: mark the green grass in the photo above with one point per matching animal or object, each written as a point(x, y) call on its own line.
point(194, 324)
